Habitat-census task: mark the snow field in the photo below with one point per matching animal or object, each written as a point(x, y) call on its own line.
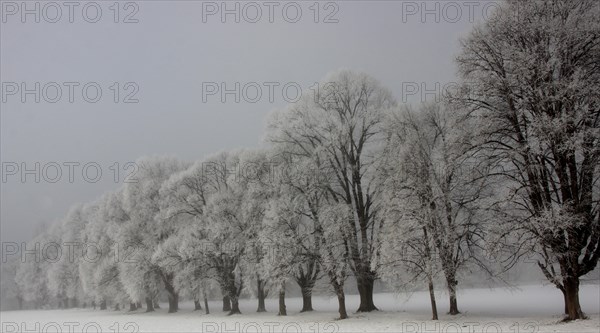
point(528, 309)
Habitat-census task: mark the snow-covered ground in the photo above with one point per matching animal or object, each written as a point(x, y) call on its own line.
point(528, 309)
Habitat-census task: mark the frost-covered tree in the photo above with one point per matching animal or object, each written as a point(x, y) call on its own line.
point(146, 230)
point(183, 256)
point(195, 278)
point(292, 230)
point(31, 275)
point(224, 228)
point(533, 78)
point(291, 245)
point(431, 161)
point(341, 126)
point(225, 194)
point(335, 250)
point(407, 252)
point(9, 288)
point(58, 272)
point(304, 232)
point(277, 263)
point(64, 275)
point(233, 218)
point(55, 263)
point(103, 252)
point(32, 280)
point(256, 182)
point(186, 193)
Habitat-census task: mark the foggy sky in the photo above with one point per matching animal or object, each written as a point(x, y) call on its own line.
point(168, 54)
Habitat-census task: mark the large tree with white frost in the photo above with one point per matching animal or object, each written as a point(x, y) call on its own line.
point(31, 275)
point(64, 275)
point(101, 269)
point(146, 229)
point(233, 219)
point(225, 194)
point(533, 76)
point(187, 193)
point(341, 125)
point(434, 180)
point(292, 228)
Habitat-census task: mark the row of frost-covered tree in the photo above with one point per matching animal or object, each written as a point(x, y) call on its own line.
point(355, 185)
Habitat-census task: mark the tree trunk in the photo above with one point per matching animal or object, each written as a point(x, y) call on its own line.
point(432, 298)
point(197, 305)
point(172, 293)
point(117, 307)
point(429, 274)
point(574, 312)
point(173, 302)
point(149, 305)
point(261, 295)
point(451, 282)
point(338, 287)
point(139, 305)
point(282, 307)
point(342, 304)
point(132, 306)
point(226, 304)
point(565, 299)
point(306, 279)
point(234, 294)
point(156, 305)
point(365, 283)
point(206, 305)
point(63, 303)
point(261, 304)
point(72, 303)
point(235, 306)
point(103, 305)
point(306, 298)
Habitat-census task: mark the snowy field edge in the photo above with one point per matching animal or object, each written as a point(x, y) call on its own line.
point(524, 309)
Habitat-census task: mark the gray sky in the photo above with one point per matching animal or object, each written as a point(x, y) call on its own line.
point(168, 54)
